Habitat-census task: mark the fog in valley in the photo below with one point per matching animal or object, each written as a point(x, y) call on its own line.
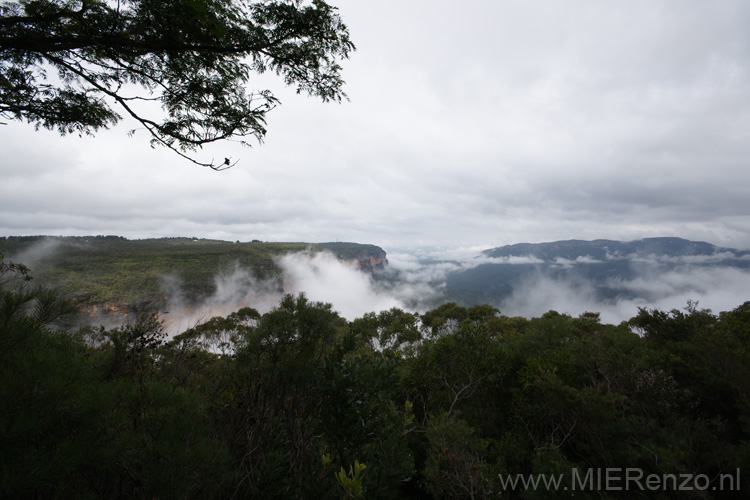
point(417, 281)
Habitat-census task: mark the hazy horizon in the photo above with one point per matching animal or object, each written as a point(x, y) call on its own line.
point(417, 281)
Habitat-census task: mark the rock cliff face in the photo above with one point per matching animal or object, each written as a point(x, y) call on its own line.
point(371, 263)
point(118, 311)
point(368, 258)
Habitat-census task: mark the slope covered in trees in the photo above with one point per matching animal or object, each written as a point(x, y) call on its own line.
point(100, 269)
point(300, 403)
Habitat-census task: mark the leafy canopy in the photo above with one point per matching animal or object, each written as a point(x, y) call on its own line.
point(300, 403)
point(68, 64)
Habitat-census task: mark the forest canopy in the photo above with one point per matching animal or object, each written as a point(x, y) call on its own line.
point(77, 65)
point(301, 403)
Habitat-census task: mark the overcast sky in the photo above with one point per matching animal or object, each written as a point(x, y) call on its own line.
point(470, 124)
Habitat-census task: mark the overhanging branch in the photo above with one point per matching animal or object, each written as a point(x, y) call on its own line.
point(153, 128)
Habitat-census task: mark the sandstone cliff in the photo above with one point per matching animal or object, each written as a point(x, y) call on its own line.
point(369, 258)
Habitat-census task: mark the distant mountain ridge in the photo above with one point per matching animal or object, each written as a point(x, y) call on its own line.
point(607, 269)
point(112, 273)
point(602, 249)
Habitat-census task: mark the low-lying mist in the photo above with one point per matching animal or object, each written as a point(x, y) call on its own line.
point(417, 283)
point(320, 276)
point(615, 286)
point(235, 288)
point(718, 289)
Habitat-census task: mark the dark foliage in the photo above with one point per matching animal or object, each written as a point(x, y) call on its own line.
point(300, 403)
point(70, 64)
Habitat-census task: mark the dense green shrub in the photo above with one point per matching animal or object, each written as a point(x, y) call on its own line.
point(300, 403)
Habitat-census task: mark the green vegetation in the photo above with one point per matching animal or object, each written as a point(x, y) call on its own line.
point(351, 250)
point(111, 268)
point(300, 403)
point(193, 57)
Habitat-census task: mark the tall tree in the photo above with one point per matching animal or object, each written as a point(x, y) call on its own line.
point(68, 64)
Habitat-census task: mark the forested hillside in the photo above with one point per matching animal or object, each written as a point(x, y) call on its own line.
point(301, 403)
point(136, 275)
point(606, 271)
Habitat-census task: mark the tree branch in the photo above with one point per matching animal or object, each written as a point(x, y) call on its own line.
point(150, 125)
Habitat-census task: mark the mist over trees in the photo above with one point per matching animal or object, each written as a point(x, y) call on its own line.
point(302, 403)
point(76, 65)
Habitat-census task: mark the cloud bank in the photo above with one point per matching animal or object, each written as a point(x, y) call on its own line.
point(417, 283)
point(320, 276)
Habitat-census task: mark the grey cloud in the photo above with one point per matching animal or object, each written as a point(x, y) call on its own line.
point(474, 123)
